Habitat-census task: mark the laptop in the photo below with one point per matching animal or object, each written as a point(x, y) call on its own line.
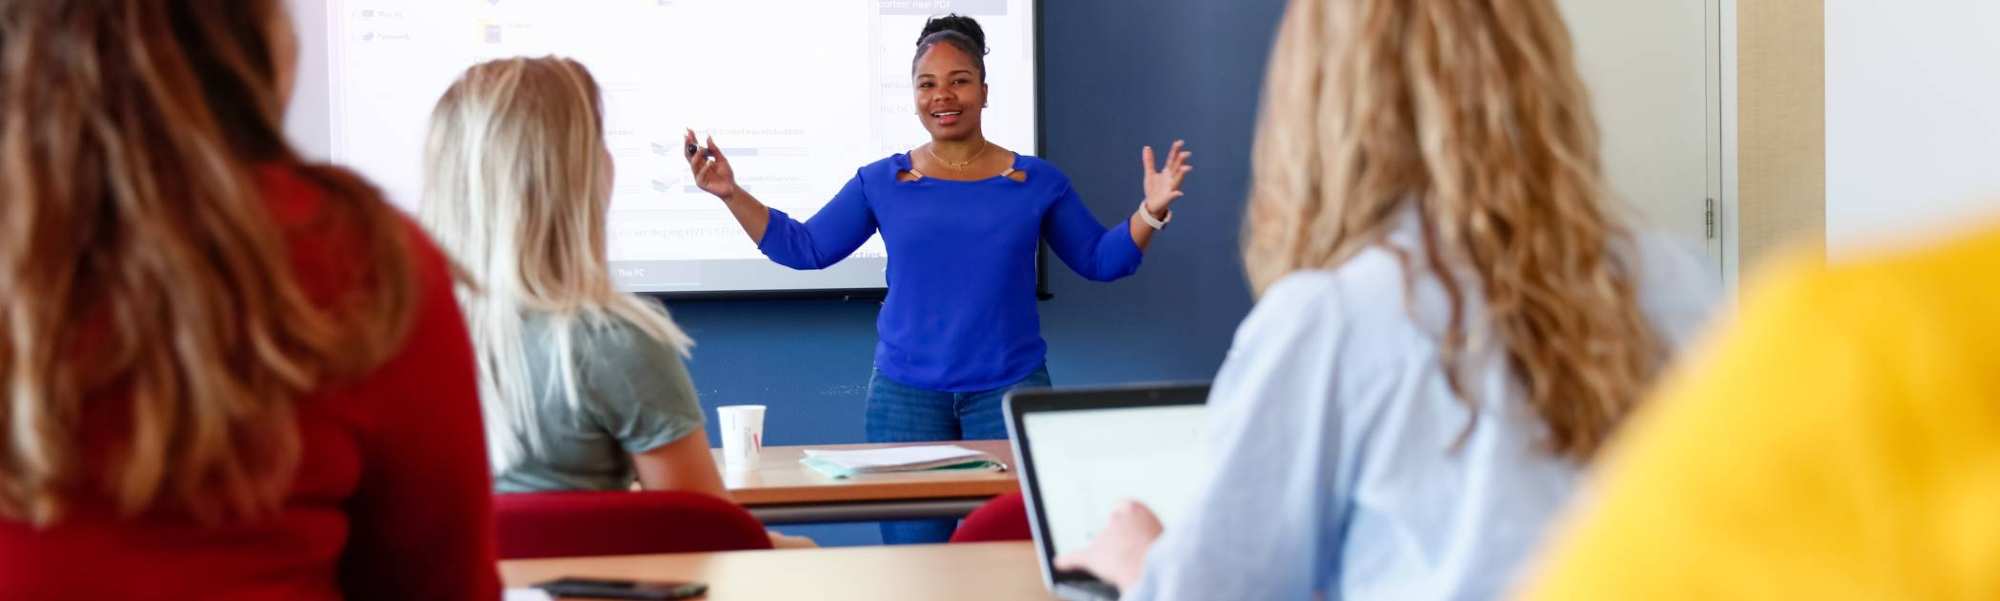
point(1082, 450)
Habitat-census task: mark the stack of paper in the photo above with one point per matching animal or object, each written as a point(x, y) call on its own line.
point(847, 464)
point(526, 594)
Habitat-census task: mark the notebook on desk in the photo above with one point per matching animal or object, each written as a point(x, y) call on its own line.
point(1082, 450)
point(889, 460)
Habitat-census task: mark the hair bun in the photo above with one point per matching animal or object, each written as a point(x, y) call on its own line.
point(958, 24)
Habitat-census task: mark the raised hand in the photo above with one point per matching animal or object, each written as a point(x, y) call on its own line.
point(1163, 186)
point(711, 169)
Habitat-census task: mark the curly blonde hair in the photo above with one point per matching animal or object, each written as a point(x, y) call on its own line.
point(1472, 113)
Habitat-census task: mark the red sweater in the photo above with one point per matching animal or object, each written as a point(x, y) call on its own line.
point(392, 499)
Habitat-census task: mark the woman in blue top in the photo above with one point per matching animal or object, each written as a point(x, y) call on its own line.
point(962, 218)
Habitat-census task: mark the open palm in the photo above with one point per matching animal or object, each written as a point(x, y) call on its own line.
point(1163, 186)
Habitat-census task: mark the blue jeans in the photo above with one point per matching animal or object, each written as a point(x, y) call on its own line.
point(899, 412)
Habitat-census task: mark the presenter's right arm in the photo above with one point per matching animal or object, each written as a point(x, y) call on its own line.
point(824, 239)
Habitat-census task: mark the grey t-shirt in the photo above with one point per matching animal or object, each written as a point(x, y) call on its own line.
point(633, 396)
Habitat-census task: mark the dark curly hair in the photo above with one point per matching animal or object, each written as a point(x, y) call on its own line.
point(957, 30)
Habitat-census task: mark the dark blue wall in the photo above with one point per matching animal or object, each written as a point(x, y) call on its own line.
point(1116, 74)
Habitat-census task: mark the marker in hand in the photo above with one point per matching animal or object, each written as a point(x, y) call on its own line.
point(709, 166)
point(694, 147)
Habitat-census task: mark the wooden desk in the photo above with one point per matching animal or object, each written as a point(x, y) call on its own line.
point(995, 571)
point(780, 490)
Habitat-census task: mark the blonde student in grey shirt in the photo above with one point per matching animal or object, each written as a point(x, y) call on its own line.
point(583, 386)
point(633, 397)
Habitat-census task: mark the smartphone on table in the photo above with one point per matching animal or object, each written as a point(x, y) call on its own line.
point(611, 588)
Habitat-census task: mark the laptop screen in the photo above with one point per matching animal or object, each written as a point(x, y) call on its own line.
point(1087, 460)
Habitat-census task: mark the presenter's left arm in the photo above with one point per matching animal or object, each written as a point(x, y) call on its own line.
point(1103, 255)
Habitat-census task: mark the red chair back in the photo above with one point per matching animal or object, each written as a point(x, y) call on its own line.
point(582, 524)
point(1005, 518)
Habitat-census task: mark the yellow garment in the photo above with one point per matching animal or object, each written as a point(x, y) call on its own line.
point(1840, 441)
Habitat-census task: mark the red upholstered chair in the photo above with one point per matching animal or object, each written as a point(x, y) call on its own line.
point(579, 524)
point(1002, 519)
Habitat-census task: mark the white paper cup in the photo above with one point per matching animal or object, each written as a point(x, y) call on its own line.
point(742, 435)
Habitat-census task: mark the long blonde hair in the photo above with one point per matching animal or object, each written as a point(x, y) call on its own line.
point(144, 280)
point(1472, 113)
point(517, 191)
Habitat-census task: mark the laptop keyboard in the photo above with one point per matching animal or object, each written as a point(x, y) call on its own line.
point(1088, 590)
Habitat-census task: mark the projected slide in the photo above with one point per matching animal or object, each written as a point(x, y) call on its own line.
point(799, 93)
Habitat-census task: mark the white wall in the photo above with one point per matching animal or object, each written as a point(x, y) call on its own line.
point(1648, 66)
point(1912, 119)
point(305, 120)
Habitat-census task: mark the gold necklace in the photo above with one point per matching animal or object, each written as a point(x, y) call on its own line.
point(955, 166)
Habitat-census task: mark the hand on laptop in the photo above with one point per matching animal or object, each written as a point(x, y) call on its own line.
point(1118, 553)
point(785, 541)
